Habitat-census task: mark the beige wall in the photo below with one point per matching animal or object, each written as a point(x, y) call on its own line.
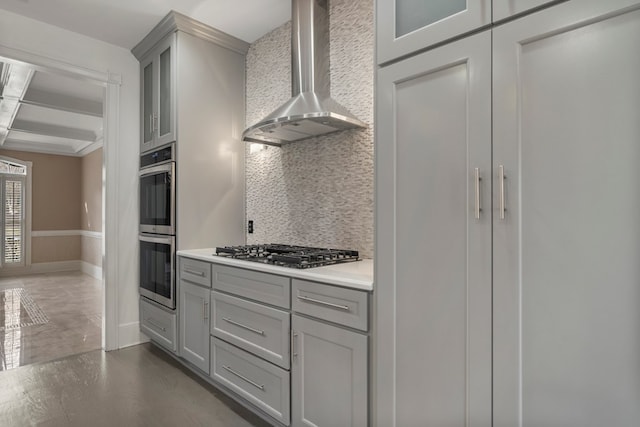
point(91, 207)
point(91, 191)
point(55, 190)
point(55, 249)
point(66, 195)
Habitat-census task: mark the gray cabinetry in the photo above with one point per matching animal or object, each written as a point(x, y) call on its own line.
point(264, 385)
point(194, 314)
point(158, 89)
point(433, 286)
point(254, 327)
point(192, 92)
point(404, 27)
point(159, 324)
point(507, 233)
point(565, 256)
point(407, 26)
point(328, 375)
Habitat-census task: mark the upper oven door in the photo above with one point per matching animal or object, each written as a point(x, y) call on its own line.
point(157, 199)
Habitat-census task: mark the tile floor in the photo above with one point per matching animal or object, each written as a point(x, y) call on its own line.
point(135, 386)
point(48, 316)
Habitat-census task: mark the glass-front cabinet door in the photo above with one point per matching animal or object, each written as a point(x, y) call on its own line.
point(158, 95)
point(165, 121)
point(148, 110)
point(408, 26)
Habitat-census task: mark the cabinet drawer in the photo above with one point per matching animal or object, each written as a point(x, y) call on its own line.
point(195, 271)
point(347, 307)
point(158, 324)
point(261, 330)
point(261, 383)
point(263, 287)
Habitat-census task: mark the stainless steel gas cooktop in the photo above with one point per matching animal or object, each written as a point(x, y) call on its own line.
point(287, 255)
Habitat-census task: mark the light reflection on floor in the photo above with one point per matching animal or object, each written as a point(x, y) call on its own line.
point(48, 316)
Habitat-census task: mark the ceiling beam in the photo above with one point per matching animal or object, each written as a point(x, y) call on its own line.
point(56, 101)
point(15, 81)
point(53, 130)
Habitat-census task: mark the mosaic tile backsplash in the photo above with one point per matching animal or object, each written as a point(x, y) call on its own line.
point(317, 192)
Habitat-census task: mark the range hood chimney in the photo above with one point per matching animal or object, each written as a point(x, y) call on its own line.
point(310, 112)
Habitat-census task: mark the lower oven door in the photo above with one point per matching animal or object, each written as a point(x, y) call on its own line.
point(157, 269)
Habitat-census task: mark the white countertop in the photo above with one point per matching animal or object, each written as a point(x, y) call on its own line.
point(356, 275)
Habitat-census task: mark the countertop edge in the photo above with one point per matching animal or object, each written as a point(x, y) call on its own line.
point(328, 274)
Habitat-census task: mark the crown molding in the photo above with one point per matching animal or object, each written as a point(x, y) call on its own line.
point(175, 21)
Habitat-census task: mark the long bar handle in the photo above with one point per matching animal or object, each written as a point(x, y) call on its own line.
point(477, 180)
point(151, 124)
point(293, 344)
point(205, 310)
point(195, 273)
point(501, 179)
point(151, 322)
point(242, 377)
point(328, 304)
point(248, 328)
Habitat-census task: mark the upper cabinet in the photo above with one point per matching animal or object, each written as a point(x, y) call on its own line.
point(158, 89)
point(408, 26)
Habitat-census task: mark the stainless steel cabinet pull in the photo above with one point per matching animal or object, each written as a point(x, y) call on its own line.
point(152, 323)
point(478, 208)
point(205, 309)
point(242, 377)
point(501, 179)
point(151, 123)
point(195, 273)
point(248, 328)
point(293, 345)
point(328, 304)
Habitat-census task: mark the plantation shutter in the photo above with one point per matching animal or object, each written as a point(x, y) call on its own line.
point(13, 220)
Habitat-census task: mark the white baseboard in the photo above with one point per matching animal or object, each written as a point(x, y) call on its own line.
point(92, 270)
point(129, 334)
point(42, 267)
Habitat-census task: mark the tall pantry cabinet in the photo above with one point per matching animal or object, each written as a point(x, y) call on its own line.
point(192, 94)
point(508, 238)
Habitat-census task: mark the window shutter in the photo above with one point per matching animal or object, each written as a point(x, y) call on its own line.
point(13, 221)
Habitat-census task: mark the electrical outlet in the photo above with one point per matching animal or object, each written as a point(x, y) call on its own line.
point(250, 227)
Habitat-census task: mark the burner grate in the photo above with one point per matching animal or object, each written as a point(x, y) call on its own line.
point(288, 255)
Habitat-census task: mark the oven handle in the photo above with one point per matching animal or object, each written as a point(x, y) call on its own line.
point(153, 170)
point(169, 240)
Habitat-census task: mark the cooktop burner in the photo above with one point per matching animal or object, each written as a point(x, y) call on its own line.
point(287, 255)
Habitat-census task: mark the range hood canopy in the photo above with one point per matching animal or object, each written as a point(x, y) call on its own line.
point(311, 111)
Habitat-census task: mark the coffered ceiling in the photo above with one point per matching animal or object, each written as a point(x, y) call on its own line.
point(48, 113)
point(57, 114)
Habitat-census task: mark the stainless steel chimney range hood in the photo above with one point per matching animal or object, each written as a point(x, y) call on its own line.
point(310, 112)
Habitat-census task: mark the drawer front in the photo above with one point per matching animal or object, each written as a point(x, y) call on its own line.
point(263, 287)
point(261, 330)
point(158, 325)
point(195, 271)
point(346, 307)
point(261, 383)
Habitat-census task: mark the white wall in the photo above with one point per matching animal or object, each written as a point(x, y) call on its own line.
point(24, 35)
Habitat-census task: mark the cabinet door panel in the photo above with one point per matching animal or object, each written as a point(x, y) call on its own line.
point(407, 26)
point(566, 275)
point(329, 375)
point(433, 278)
point(194, 324)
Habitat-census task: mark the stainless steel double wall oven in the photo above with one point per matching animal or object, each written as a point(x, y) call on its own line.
point(158, 226)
